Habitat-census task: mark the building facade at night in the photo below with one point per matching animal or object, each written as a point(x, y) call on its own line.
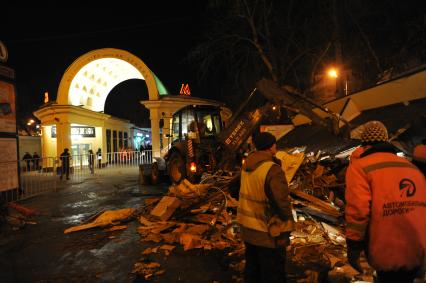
point(76, 119)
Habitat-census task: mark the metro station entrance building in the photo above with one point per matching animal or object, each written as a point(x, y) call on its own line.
point(76, 119)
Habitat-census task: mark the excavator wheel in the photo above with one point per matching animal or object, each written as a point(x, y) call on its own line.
point(176, 168)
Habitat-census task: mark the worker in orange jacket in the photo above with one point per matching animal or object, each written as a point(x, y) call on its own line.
point(385, 209)
point(419, 156)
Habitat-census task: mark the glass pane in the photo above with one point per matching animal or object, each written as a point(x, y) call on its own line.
point(175, 128)
point(216, 123)
point(208, 122)
point(188, 122)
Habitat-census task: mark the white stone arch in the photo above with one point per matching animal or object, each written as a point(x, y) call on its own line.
point(90, 78)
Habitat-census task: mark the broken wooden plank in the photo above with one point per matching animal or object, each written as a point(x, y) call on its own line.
point(329, 208)
point(165, 208)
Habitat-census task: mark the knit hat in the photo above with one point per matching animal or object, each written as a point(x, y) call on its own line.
point(374, 131)
point(264, 141)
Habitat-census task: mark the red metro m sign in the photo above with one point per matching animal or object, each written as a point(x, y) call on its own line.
point(184, 90)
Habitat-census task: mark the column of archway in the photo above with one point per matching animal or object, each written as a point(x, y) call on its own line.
point(46, 162)
point(166, 130)
point(63, 137)
point(155, 132)
point(104, 149)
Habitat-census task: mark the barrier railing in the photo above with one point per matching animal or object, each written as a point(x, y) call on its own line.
point(46, 174)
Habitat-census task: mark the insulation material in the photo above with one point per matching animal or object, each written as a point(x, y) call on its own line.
point(108, 217)
point(290, 163)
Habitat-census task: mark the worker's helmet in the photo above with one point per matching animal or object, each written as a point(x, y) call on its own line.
point(374, 131)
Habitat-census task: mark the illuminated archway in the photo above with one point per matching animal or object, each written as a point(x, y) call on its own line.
point(84, 88)
point(89, 79)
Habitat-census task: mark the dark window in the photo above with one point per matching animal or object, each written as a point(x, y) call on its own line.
point(126, 142)
point(108, 140)
point(120, 139)
point(114, 141)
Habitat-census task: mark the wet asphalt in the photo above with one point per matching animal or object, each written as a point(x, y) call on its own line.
point(43, 253)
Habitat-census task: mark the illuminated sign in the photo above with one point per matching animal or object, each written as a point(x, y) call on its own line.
point(184, 90)
point(85, 132)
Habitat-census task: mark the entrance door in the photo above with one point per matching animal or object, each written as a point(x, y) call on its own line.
point(79, 153)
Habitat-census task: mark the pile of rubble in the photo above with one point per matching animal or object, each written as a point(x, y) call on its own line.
point(203, 216)
point(198, 216)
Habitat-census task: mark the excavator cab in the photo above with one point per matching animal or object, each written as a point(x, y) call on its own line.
point(196, 122)
point(194, 139)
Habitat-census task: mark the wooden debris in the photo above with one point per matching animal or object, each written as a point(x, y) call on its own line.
point(167, 249)
point(333, 259)
point(22, 209)
point(147, 270)
point(149, 201)
point(318, 172)
point(190, 241)
point(145, 221)
point(166, 207)
point(150, 250)
point(335, 235)
point(117, 228)
point(186, 188)
point(316, 202)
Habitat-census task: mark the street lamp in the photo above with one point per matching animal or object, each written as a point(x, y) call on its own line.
point(333, 73)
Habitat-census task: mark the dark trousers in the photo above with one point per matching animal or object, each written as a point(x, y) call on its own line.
point(401, 276)
point(264, 265)
point(65, 170)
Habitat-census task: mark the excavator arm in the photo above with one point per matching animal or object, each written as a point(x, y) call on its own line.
point(292, 100)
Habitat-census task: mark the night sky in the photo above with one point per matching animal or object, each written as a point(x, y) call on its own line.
point(44, 39)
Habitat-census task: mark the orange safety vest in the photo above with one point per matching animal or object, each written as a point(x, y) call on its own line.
point(419, 153)
point(386, 199)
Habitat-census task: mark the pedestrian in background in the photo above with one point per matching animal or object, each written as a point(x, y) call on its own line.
point(99, 158)
point(65, 162)
point(91, 158)
point(36, 161)
point(385, 196)
point(264, 213)
point(27, 158)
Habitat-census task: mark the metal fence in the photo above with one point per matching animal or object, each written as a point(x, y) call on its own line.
point(47, 174)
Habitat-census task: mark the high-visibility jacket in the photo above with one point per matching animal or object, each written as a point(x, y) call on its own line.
point(419, 157)
point(263, 195)
point(253, 202)
point(386, 199)
point(419, 153)
point(357, 152)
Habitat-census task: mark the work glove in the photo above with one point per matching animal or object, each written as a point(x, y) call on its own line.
point(354, 252)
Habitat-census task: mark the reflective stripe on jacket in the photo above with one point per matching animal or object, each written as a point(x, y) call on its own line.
point(386, 197)
point(253, 201)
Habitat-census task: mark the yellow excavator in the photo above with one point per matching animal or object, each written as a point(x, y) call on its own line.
point(201, 142)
